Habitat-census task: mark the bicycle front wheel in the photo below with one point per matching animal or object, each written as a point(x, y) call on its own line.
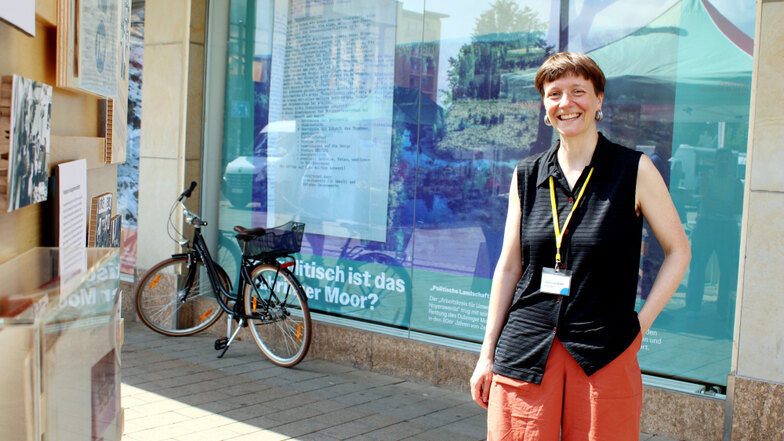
point(283, 329)
point(167, 306)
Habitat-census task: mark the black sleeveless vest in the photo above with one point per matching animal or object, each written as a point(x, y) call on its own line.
point(601, 247)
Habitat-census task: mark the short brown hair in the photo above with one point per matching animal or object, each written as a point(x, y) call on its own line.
point(569, 63)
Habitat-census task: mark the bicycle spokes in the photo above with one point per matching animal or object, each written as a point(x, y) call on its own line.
point(175, 297)
point(283, 334)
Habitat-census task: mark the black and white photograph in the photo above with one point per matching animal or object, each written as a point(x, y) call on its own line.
point(28, 154)
point(116, 231)
point(100, 228)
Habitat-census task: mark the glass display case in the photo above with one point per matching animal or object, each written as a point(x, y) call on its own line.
point(61, 343)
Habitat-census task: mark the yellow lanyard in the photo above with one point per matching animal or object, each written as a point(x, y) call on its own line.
point(558, 234)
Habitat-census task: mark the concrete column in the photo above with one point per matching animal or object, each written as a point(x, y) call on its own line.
point(755, 404)
point(195, 99)
point(171, 118)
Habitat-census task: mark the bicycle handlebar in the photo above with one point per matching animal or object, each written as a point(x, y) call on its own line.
point(187, 193)
point(190, 217)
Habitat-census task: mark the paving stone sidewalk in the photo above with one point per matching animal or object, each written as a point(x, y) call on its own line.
point(176, 389)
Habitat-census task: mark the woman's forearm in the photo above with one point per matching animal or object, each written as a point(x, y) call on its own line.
point(656, 205)
point(501, 294)
point(667, 281)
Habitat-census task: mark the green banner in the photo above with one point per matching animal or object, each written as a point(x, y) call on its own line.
point(431, 302)
point(450, 305)
point(364, 290)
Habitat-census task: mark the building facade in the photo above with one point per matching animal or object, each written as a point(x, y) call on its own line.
point(392, 128)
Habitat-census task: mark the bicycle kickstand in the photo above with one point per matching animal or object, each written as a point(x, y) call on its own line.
point(225, 342)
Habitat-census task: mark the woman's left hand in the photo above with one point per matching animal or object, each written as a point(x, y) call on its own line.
point(480, 382)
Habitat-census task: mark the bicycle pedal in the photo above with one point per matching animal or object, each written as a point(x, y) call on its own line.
point(221, 343)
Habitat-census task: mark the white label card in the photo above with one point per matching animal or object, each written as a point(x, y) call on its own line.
point(556, 282)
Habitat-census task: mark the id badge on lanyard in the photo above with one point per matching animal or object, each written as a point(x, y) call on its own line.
point(558, 280)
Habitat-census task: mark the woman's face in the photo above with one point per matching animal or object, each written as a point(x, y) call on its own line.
point(571, 103)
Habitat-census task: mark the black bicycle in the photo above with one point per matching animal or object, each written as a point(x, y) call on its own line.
point(189, 291)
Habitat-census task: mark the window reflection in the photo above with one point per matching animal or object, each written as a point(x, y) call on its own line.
point(435, 102)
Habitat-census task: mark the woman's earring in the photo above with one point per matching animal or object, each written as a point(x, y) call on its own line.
point(599, 115)
point(547, 121)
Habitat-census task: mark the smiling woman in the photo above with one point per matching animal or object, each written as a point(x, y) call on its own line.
point(552, 352)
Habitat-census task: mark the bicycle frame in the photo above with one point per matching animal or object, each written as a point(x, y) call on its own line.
point(199, 250)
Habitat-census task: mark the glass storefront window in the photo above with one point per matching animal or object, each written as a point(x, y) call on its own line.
point(679, 89)
point(392, 128)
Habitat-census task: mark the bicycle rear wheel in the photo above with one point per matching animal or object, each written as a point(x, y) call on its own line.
point(160, 294)
point(283, 331)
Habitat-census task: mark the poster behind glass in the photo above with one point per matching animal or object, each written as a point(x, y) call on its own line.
point(474, 128)
point(311, 138)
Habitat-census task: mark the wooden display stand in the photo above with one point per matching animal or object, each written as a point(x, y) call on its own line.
point(62, 349)
point(78, 125)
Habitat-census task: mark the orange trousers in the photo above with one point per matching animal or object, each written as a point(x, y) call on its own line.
point(603, 407)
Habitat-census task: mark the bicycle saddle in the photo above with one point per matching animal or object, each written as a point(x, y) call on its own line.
point(249, 231)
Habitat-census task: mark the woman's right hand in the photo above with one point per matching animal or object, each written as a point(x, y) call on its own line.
point(480, 381)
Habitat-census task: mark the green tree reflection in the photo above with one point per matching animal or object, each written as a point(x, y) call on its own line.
point(505, 39)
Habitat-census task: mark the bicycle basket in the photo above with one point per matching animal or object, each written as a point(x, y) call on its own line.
point(274, 242)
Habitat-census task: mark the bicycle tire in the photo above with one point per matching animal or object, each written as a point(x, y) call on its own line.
point(156, 298)
point(285, 337)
